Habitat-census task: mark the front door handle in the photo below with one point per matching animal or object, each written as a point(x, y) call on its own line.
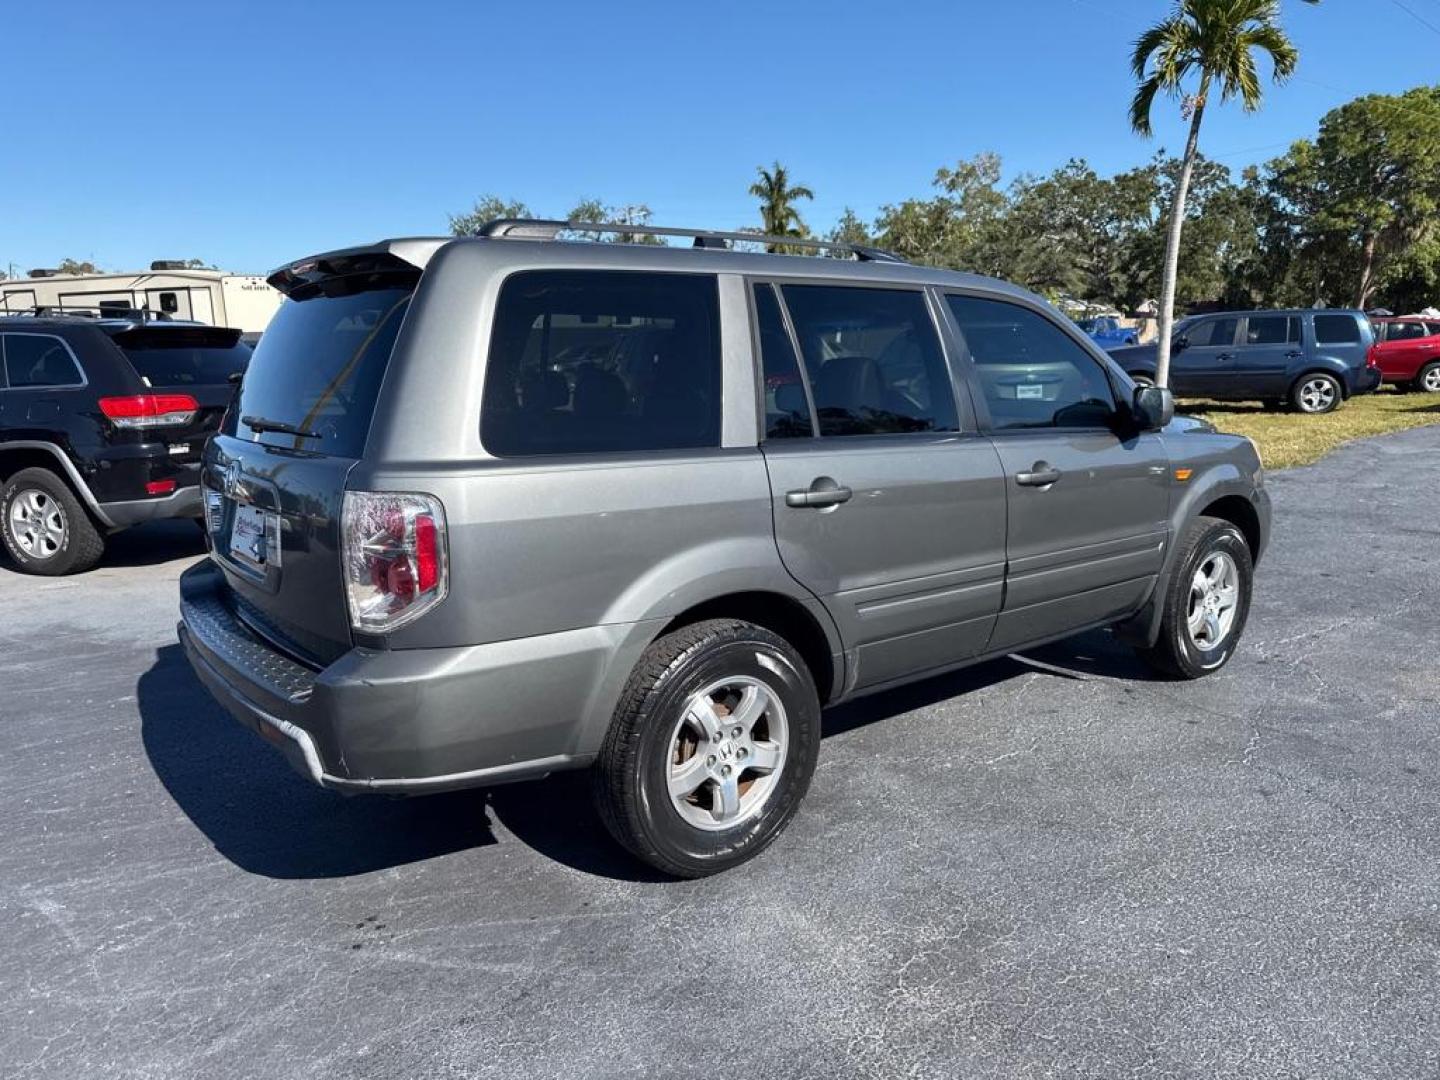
point(823, 491)
point(1041, 474)
point(1294, 354)
point(1224, 358)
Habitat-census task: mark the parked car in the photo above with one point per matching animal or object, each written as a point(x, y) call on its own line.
point(1310, 360)
point(447, 551)
point(1107, 332)
point(102, 421)
point(1408, 352)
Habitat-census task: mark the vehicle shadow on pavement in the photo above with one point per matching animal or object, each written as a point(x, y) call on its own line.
point(268, 820)
point(265, 818)
point(154, 543)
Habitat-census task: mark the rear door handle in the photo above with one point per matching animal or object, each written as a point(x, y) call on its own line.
point(823, 491)
point(1224, 358)
point(1041, 474)
point(1294, 354)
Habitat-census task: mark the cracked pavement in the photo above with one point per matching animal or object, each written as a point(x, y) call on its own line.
point(1043, 866)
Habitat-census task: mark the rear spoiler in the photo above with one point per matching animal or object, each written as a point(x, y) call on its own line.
point(172, 336)
point(389, 257)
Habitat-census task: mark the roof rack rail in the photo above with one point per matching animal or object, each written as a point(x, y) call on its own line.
point(543, 229)
point(54, 311)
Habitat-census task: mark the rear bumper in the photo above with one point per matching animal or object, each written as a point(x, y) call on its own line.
point(1366, 380)
point(183, 502)
point(402, 721)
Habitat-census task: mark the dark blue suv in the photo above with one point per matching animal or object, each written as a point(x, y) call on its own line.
point(1312, 360)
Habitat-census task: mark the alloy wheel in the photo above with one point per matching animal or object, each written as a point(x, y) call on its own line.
point(1430, 381)
point(37, 522)
point(1318, 395)
point(1214, 601)
point(727, 752)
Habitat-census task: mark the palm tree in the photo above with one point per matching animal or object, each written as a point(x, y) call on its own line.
point(777, 197)
point(1216, 40)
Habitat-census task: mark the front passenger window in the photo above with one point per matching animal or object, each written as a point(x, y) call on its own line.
point(1032, 373)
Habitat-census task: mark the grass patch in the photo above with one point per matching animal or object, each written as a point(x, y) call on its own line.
point(1289, 438)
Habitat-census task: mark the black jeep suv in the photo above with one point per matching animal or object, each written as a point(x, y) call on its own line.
point(102, 422)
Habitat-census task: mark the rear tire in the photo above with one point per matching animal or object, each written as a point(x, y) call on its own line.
point(1206, 602)
point(45, 529)
point(1317, 393)
point(674, 783)
point(1427, 380)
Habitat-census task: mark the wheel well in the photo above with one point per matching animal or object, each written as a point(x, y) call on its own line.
point(780, 614)
point(12, 461)
point(1237, 510)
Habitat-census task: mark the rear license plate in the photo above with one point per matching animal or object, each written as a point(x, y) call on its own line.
point(1031, 391)
point(249, 536)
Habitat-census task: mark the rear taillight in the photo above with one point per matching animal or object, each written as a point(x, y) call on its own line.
point(1372, 358)
point(150, 410)
point(394, 554)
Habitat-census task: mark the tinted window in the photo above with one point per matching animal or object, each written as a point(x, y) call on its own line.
point(1272, 330)
point(1212, 332)
point(1031, 372)
point(787, 412)
point(1405, 331)
point(873, 360)
point(39, 360)
point(1337, 329)
point(319, 367)
point(184, 357)
point(585, 361)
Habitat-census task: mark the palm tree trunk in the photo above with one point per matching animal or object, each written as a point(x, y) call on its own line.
point(1172, 240)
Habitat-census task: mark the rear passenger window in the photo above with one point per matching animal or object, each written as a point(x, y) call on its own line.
point(1337, 330)
point(1032, 373)
point(587, 361)
point(1405, 331)
point(873, 360)
point(39, 360)
point(1272, 330)
point(787, 412)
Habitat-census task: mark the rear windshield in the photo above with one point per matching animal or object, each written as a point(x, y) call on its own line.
point(185, 357)
point(319, 367)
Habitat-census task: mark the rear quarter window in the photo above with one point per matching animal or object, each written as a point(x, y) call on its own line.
point(1337, 330)
point(590, 361)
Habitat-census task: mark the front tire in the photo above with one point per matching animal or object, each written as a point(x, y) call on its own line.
point(45, 529)
point(1206, 602)
point(711, 748)
point(1317, 393)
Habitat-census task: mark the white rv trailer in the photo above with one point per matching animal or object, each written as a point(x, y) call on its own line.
point(243, 301)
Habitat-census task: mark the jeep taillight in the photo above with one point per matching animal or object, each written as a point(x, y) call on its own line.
point(393, 547)
point(150, 410)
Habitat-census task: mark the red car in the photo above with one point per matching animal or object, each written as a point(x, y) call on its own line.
point(1408, 351)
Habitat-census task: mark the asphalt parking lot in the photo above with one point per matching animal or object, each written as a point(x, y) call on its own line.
point(1040, 867)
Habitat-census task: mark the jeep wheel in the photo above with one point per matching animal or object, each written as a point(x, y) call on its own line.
point(46, 530)
point(1317, 393)
point(1428, 380)
point(1206, 602)
point(711, 748)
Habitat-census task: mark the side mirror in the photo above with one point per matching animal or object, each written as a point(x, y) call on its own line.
point(1180, 344)
point(1153, 407)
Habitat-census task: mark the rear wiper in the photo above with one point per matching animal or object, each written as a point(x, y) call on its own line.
point(259, 424)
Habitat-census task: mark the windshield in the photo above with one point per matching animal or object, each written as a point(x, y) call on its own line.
point(318, 368)
point(172, 357)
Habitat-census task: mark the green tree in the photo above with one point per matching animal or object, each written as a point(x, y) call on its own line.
point(593, 210)
point(74, 266)
point(1216, 41)
point(778, 213)
point(1377, 178)
point(850, 230)
point(957, 228)
point(487, 208)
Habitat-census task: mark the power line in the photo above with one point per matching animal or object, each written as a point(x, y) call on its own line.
point(1416, 16)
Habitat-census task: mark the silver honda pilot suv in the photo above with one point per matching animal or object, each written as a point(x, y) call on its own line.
point(488, 508)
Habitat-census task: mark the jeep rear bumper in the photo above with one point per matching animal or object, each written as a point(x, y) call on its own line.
point(403, 721)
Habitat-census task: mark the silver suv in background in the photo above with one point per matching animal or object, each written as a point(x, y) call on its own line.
point(492, 507)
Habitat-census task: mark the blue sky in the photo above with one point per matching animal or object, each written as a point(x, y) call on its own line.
point(248, 133)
